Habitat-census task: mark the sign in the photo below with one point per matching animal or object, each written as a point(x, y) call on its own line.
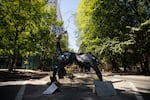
point(57, 30)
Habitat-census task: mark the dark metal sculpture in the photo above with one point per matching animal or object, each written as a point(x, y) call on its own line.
point(65, 58)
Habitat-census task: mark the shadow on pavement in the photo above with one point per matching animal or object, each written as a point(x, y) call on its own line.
point(146, 96)
point(130, 73)
point(9, 92)
point(17, 75)
point(71, 92)
point(74, 91)
point(145, 93)
point(80, 88)
point(66, 92)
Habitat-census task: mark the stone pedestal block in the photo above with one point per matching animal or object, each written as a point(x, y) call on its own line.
point(104, 88)
point(51, 89)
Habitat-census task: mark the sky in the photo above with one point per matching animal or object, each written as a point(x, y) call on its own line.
point(68, 8)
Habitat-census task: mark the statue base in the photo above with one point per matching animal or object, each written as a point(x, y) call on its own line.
point(104, 88)
point(51, 89)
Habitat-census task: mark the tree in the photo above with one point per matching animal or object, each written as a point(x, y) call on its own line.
point(141, 11)
point(24, 28)
point(142, 45)
point(106, 23)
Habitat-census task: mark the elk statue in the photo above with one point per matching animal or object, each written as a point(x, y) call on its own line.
point(86, 60)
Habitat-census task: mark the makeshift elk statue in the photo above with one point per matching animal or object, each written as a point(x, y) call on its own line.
point(86, 60)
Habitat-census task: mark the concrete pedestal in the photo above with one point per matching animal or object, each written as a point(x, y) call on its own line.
point(51, 89)
point(104, 88)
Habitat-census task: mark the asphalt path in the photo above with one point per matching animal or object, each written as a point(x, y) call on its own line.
point(9, 92)
point(78, 89)
point(13, 85)
point(138, 83)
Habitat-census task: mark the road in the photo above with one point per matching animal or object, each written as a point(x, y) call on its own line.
point(13, 88)
point(138, 84)
point(9, 92)
point(128, 87)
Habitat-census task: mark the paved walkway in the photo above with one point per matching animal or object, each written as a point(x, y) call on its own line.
point(80, 88)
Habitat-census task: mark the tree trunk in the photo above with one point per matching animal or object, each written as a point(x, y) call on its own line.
point(41, 64)
point(13, 58)
point(114, 65)
point(143, 68)
point(12, 62)
point(145, 64)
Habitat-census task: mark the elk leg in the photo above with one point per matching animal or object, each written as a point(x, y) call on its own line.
point(53, 78)
point(98, 73)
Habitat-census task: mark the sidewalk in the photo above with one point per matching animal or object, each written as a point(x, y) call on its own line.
point(80, 88)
